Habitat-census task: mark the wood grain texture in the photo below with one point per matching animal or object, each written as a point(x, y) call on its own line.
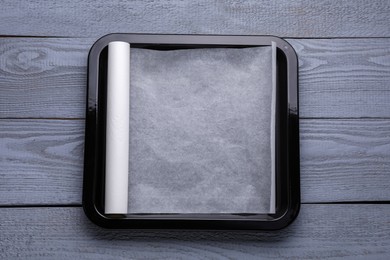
point(302, 18)
point(345, 160)
point(341, 160)
point(41, 161)
point(320, 231)
point(46, 78)
point(43, 77)
point(344, 78)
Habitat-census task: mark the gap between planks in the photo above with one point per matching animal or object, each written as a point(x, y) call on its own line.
point(303, 203)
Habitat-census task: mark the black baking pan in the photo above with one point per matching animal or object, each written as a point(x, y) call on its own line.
point(286, 138)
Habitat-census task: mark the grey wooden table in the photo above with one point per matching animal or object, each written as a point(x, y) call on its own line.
point(344, 55)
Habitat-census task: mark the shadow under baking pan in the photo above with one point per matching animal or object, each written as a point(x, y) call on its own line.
point(207, 136)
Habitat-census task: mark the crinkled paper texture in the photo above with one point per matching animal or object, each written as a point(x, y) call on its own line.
point(200, 127)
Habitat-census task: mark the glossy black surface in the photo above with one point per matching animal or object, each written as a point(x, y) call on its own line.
point(287, 138)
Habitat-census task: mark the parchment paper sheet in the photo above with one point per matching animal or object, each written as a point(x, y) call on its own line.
point(200, 127)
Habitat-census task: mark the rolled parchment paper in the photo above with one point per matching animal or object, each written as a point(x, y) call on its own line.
point(272, 208)
point(117, 128)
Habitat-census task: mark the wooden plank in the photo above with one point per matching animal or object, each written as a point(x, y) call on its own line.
point(341, 160)
point(345, 160)
point(46, 78)
point(321, 231)
point(344, 78)
point(301, 18)
point(41, 161)
point(43, 77)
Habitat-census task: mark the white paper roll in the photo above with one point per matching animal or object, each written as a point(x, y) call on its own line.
point(117, 128)
point(272, 208)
